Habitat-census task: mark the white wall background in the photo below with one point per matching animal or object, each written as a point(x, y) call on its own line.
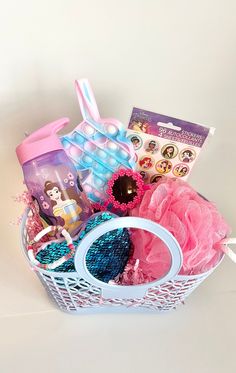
point(175, 57)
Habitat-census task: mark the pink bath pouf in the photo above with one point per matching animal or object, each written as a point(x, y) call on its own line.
point(194, 222)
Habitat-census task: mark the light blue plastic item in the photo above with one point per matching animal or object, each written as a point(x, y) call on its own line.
point(98, 147)
point(109, 291)
point(79, 292)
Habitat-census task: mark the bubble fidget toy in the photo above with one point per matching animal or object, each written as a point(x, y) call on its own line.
point(98, 147)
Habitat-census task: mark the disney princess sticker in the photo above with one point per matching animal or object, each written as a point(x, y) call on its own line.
point(169, 151)
point(151, 146)
point(180, 170)
point(144, 175)
point(146, 162)
point(163, 166)
point(187, 155)
point(136, 141)
point(155, 178)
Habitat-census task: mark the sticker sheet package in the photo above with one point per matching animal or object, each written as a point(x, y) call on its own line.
point(164, 145)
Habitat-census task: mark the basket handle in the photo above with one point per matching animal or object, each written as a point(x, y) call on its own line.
point(126, 292)
point(226, 249)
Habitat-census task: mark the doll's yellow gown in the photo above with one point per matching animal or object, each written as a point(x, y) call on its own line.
point(69, 211)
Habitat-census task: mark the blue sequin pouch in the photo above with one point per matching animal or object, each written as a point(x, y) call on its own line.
point(106, 257)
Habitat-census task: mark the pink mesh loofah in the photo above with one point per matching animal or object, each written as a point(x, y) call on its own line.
point(193, 221)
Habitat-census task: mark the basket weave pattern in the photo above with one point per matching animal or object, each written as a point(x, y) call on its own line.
point(74, 294)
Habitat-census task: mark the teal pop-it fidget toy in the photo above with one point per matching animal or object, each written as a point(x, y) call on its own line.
point(98, 147)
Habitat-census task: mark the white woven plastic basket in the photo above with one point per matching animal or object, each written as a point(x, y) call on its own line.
point(80, 292)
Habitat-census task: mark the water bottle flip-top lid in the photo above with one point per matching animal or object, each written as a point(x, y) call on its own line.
point(42, 141)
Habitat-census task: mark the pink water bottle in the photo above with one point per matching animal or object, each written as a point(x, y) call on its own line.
point(52, 179)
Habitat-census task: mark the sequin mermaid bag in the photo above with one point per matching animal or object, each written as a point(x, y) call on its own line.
point(105, 259)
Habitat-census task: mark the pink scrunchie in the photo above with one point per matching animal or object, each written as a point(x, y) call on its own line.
point(193, 221)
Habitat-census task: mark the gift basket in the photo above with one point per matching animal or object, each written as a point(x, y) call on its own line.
point(111, 222)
